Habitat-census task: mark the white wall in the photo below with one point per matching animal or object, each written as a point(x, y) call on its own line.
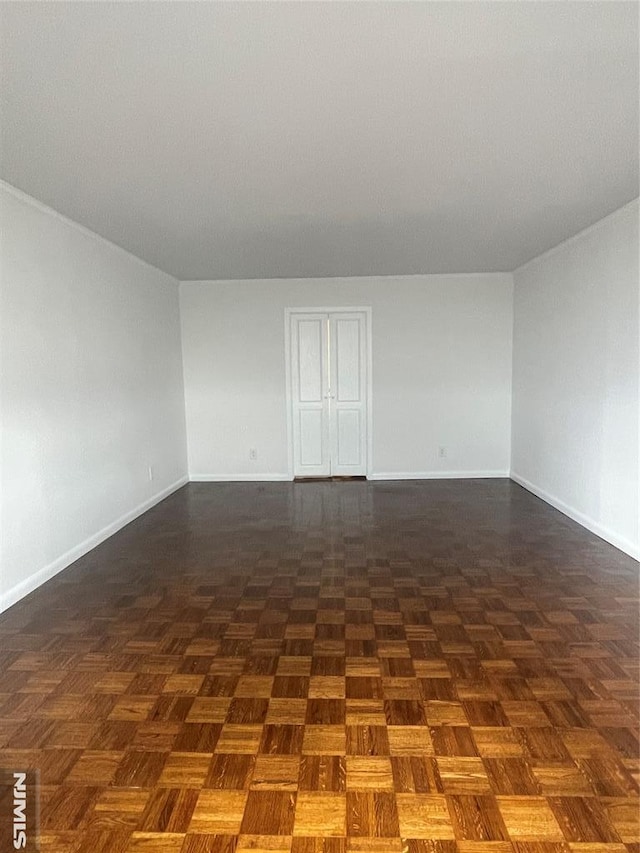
point(90, 391)
point(575, 378)
point(441, 372)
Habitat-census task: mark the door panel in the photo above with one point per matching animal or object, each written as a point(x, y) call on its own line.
point(311, 439)
point(347, 392)
point(347, 360)
point(348, 434)
point(310, 360)
point(309, 395)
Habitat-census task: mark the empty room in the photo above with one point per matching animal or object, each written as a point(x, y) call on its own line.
point(319, 409)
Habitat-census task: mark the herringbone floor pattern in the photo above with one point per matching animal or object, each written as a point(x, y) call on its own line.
point(332, 667)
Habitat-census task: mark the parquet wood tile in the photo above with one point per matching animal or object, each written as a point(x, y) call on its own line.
point(424, 816)
point(339, 667)
point(320, 814)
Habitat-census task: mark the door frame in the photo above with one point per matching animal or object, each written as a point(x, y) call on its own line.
point(340, 309)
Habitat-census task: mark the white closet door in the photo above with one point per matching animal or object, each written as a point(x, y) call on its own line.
point(348, 393)
point(310, 395)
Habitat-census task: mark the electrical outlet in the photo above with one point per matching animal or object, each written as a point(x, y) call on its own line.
point(253, 454)
point(150, 473)
point(442, 452)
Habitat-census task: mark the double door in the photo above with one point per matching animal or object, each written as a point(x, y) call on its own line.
point(329, 406)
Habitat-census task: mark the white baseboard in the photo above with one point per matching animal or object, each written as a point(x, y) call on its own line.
point(378, 475)
point(438, 475)
point(383, 475)
point(238, 478)
point(38, 578)
point(591, 524)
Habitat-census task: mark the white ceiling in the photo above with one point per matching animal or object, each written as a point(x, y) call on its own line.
point(258, 140)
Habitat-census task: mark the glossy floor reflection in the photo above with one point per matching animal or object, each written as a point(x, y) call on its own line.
point(332, 667)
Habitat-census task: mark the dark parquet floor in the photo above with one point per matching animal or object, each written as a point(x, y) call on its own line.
point(428, 667)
